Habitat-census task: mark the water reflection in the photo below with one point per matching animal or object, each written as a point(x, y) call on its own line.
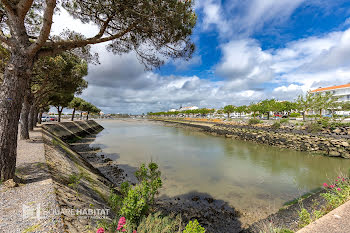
point(249, 176)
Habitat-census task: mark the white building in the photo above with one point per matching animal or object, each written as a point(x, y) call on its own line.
point(341, 91)
point(188, 108)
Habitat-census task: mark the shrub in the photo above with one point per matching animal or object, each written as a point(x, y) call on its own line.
point(253, 121)
point(151, 177)
point(155, 223)
point(314, 127)
point(304, 218)
point(276, 125)
point(324, 122)
point(134, 202)
point(337, 193)
point(284, 121)
point(295, 114)
point(194, 227)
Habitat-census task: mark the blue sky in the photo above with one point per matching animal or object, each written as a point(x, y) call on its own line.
point(247, 50)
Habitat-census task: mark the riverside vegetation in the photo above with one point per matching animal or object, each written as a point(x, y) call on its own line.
point(134, 206)
point(336, 194)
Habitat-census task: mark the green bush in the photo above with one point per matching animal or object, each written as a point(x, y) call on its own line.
point(155, 223)
point(324, 122)
point(314, 127)
point(136, 204)
point(276, 125)
point(194, 227)
point(284, 121)
point(134, 201)
point(304, 218)
point(295, 114)
point(253, 121)
point(337, 193)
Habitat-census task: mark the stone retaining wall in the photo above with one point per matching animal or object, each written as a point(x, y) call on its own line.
point(334, 147)
point(72, 129)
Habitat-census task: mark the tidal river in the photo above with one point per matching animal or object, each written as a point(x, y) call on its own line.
point(255, 179)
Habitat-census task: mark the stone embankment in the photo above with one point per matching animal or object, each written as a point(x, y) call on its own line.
point(82, 191)
point(332, 144)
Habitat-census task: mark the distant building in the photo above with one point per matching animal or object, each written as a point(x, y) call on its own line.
point(341, 91)
point(172, 110)
point(188, 108)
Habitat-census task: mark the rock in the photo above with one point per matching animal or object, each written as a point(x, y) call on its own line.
point(209, 200)
point(345, 144)
point(195, 198)
point(10, 184)
point(334, 153)
point(228, 136)
point(337, 131)
point(106, 160)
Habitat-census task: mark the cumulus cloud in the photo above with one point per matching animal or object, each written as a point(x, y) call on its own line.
point(244, 64)
point(244, 73)
point(242, 18)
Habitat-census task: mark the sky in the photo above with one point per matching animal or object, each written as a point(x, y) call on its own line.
point(246, 51)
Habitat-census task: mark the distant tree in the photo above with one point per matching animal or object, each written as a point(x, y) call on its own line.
point(324, 102)
point(90, 108)
point(266, 106)
point(241, 109)
point(60, 100)
point(254, 108)
point(220, 111)
point(75, 104)
point(305, 104)
point(345, 106)
point(229, 109)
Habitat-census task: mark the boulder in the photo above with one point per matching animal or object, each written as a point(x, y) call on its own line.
point(345, 144)
point(334, 153)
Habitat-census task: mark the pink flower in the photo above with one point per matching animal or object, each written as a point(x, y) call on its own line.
point(100, 230)
point(134, 231)
point(338, 177)
point(338, 189)
point(332, 186)
point(121, 224)
point(325, 185)
point(336, 180)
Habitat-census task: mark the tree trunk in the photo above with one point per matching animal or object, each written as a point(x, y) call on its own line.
point(40, 116)
point(303, 116)
point(87, 116)
point(268, 115)
point(81, 115)
point(24, 129)
point(15, 80)
point(31, 118)
point(59, 114)
point(35, 119)
point(73, 114)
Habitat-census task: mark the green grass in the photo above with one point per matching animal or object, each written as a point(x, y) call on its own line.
point(304, 196)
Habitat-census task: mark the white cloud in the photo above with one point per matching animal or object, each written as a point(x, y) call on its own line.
point(237, 18)
point(244, 63)
point(120, 83)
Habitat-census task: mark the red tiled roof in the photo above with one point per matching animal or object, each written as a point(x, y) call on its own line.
point(331, 88)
